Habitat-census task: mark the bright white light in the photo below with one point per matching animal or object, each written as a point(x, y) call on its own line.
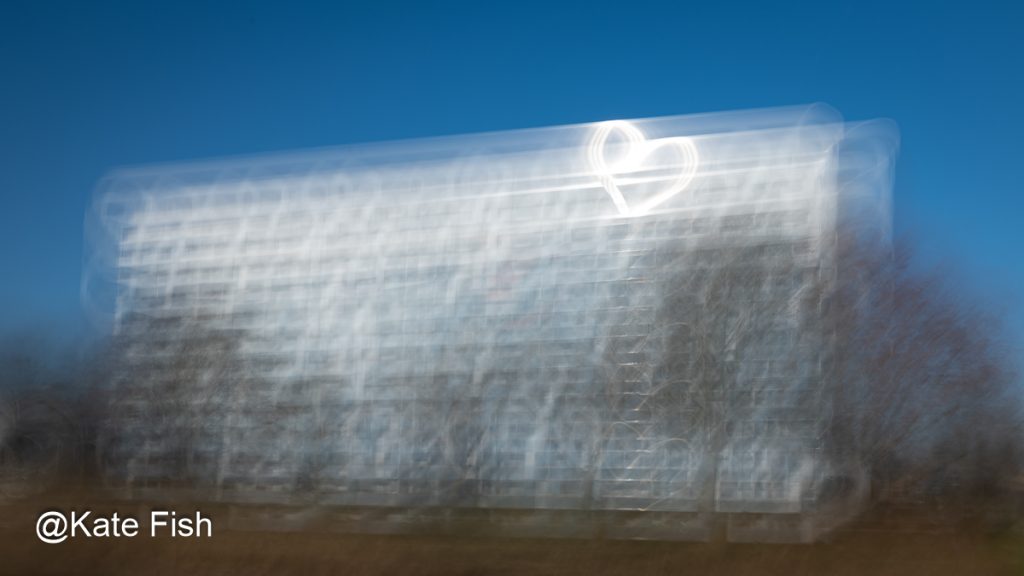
point(640, 155)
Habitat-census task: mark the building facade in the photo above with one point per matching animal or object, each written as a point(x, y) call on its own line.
point(619, 316)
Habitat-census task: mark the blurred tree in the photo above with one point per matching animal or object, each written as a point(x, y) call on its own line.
point(181, 398)
point(923, 382)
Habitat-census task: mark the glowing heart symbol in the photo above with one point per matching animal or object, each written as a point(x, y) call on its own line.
point(637, 150)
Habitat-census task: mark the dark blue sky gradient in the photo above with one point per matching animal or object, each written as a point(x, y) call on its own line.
point(85, 88)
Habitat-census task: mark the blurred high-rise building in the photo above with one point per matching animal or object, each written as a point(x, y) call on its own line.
point(612, 317)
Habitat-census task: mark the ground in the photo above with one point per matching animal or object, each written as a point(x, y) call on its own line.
point(869, 547)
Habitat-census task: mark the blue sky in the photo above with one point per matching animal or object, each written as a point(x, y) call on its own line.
point(85, 87)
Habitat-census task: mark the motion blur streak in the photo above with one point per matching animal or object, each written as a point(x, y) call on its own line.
point(624, 320)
